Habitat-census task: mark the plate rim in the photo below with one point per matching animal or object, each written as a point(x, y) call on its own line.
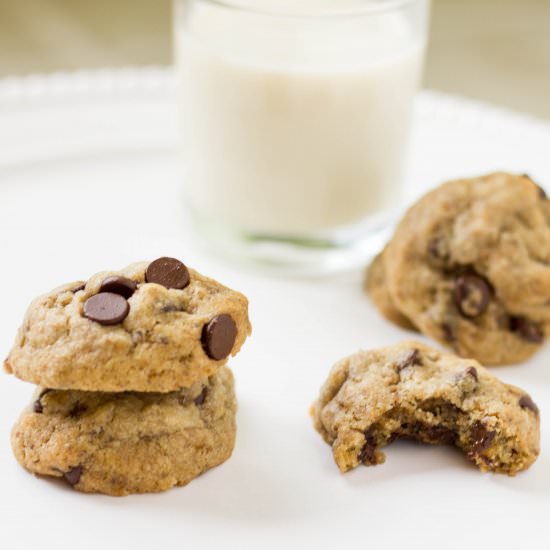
point(48, 94)
point(36, 87)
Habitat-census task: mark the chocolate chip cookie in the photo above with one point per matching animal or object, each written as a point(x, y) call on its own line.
point(122, 443)
point(155, 326)
point(469, 265)
point(412, 391)
point(376, 286)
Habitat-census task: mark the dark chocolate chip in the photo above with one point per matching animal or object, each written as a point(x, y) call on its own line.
point(433, 248)
point(77, 410)
point(168, 272)
point(480, 438)
point(487, 461)
point(218, 336)
point(37, 406)
point(78, 288)
point(472, 371)
point(528, 330)
point(412, 359)
point(439, 434)
point(408, 431)
point(471, 294)
point(119, 285)
point(525, 402)
point(448, 332)
point(73, 475)
point(437, 250)
point(426, 433)
point(106, 308)
point(199, 400)
point(367, 454)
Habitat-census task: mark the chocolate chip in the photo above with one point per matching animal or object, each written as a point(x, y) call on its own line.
point(525, 402)
point(411, 359)
point(419, 431)
point(168, 272)
point(437, 250)
point(471, 295)
point(73, 475)
point(367, 454)
point(106, 308)
point(433, 248)
point(439, 434)
point(448, 332)
point(218, 336)
point(472, 371)
point(119, 285)
point(37, 406)
point(199, 400)
point(528, 330)
point(77, 410)
point(487, 461)
point(480, 438)
point(78, 288)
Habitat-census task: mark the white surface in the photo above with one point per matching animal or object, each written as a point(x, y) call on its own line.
point(88, 181)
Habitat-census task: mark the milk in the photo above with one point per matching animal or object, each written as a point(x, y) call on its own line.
point(293, 126)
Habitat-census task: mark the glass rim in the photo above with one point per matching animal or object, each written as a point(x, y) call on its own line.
point(366, 10)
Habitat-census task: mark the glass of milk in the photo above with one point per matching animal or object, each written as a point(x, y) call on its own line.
point(295, 118)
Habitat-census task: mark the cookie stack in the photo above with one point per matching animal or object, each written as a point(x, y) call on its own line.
point(469, 265)
point(134, 394)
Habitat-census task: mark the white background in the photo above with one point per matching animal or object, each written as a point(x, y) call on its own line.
point(88, 181)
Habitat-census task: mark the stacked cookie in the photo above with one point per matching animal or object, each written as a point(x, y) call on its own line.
point(134, 394)
point(469, 265)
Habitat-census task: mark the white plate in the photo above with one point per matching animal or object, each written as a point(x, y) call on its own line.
point(88, 181)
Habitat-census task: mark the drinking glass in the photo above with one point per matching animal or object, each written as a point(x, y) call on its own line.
point(295, 118)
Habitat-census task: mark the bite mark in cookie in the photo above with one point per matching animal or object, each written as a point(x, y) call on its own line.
point(375, 397)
